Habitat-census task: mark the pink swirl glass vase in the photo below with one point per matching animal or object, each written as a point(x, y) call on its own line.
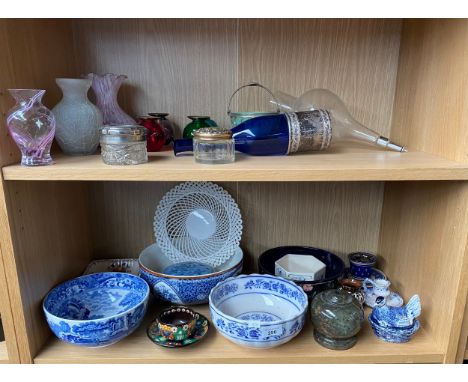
point(106, 88)
point(32, 126)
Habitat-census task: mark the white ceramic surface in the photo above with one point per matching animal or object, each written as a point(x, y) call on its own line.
point(300, 268)
point(258, 311)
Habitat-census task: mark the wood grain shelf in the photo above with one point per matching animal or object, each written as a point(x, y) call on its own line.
point(353, 164)
point(3, 352)
point(137, 348)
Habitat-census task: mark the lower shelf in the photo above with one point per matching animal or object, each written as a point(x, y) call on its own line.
point(137, 348)
point(3, 352)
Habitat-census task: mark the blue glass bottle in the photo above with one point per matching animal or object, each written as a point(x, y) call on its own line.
point(278, 134)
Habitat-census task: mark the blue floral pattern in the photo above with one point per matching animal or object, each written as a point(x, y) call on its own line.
point(258, 316)
point(278, 287)
point(188, 268)
point(258, 328)
point(185, 291)
point(97, 309)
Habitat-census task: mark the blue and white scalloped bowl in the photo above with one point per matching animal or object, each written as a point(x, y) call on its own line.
point(97, 309)
point(258, 311)
point(183, 289)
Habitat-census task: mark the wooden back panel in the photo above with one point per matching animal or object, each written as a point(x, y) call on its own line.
point(185, 67)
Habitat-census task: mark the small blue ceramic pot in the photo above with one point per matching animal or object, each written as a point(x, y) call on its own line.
point(361, 264)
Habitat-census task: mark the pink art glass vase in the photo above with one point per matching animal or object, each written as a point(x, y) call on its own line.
point(106, 88)
point(32, 126)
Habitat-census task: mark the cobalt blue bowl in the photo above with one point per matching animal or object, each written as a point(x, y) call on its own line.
point(98, 309)
point(334, 266)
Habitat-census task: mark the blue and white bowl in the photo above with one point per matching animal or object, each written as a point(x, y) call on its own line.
point(183, 289)
point(98, 309)
point(258, 311)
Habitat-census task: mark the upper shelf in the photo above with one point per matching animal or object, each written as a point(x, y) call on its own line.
point(342, 164)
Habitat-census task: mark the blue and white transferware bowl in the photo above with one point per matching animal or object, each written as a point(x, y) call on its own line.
point(258, 311)
point(97, 309)
point(183, 289)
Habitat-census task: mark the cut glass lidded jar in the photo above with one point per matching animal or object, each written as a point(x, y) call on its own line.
point(212, 145)
point(123, 145)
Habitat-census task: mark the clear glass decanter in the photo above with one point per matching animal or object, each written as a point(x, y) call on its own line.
point(344, 127)
point(32, 126)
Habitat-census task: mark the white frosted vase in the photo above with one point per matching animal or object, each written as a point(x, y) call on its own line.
point(77, 120)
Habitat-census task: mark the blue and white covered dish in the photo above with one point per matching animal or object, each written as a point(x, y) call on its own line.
point(258, 311)
point(97, 309)
point(184, 288)
point(396, 324)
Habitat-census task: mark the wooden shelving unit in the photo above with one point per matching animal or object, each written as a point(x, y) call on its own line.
point(409, 208)
point(345, 164)
point(216, 349)
point(3, 352)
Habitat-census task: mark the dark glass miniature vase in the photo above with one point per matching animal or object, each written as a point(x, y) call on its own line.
point(166, 125)
point(156, 136)
point(337, 318)
point(197, 123)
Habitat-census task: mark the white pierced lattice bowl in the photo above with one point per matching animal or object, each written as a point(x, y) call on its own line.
point(198, 221)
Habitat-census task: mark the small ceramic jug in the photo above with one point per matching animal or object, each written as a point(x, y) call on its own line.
point(353, 287)
point(375, 291)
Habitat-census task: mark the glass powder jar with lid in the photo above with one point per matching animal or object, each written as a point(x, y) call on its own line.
point(123, 145)
point(213, 145)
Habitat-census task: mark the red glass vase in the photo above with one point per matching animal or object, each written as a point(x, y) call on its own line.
point(156, 136)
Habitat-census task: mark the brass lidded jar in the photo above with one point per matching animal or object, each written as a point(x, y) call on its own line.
point(212, 145)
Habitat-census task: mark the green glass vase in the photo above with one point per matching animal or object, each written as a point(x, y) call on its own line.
point(197, 123)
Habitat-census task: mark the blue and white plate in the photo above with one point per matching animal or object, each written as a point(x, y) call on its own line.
point(97, 309)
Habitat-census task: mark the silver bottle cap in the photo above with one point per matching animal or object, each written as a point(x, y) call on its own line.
point(123, 134)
